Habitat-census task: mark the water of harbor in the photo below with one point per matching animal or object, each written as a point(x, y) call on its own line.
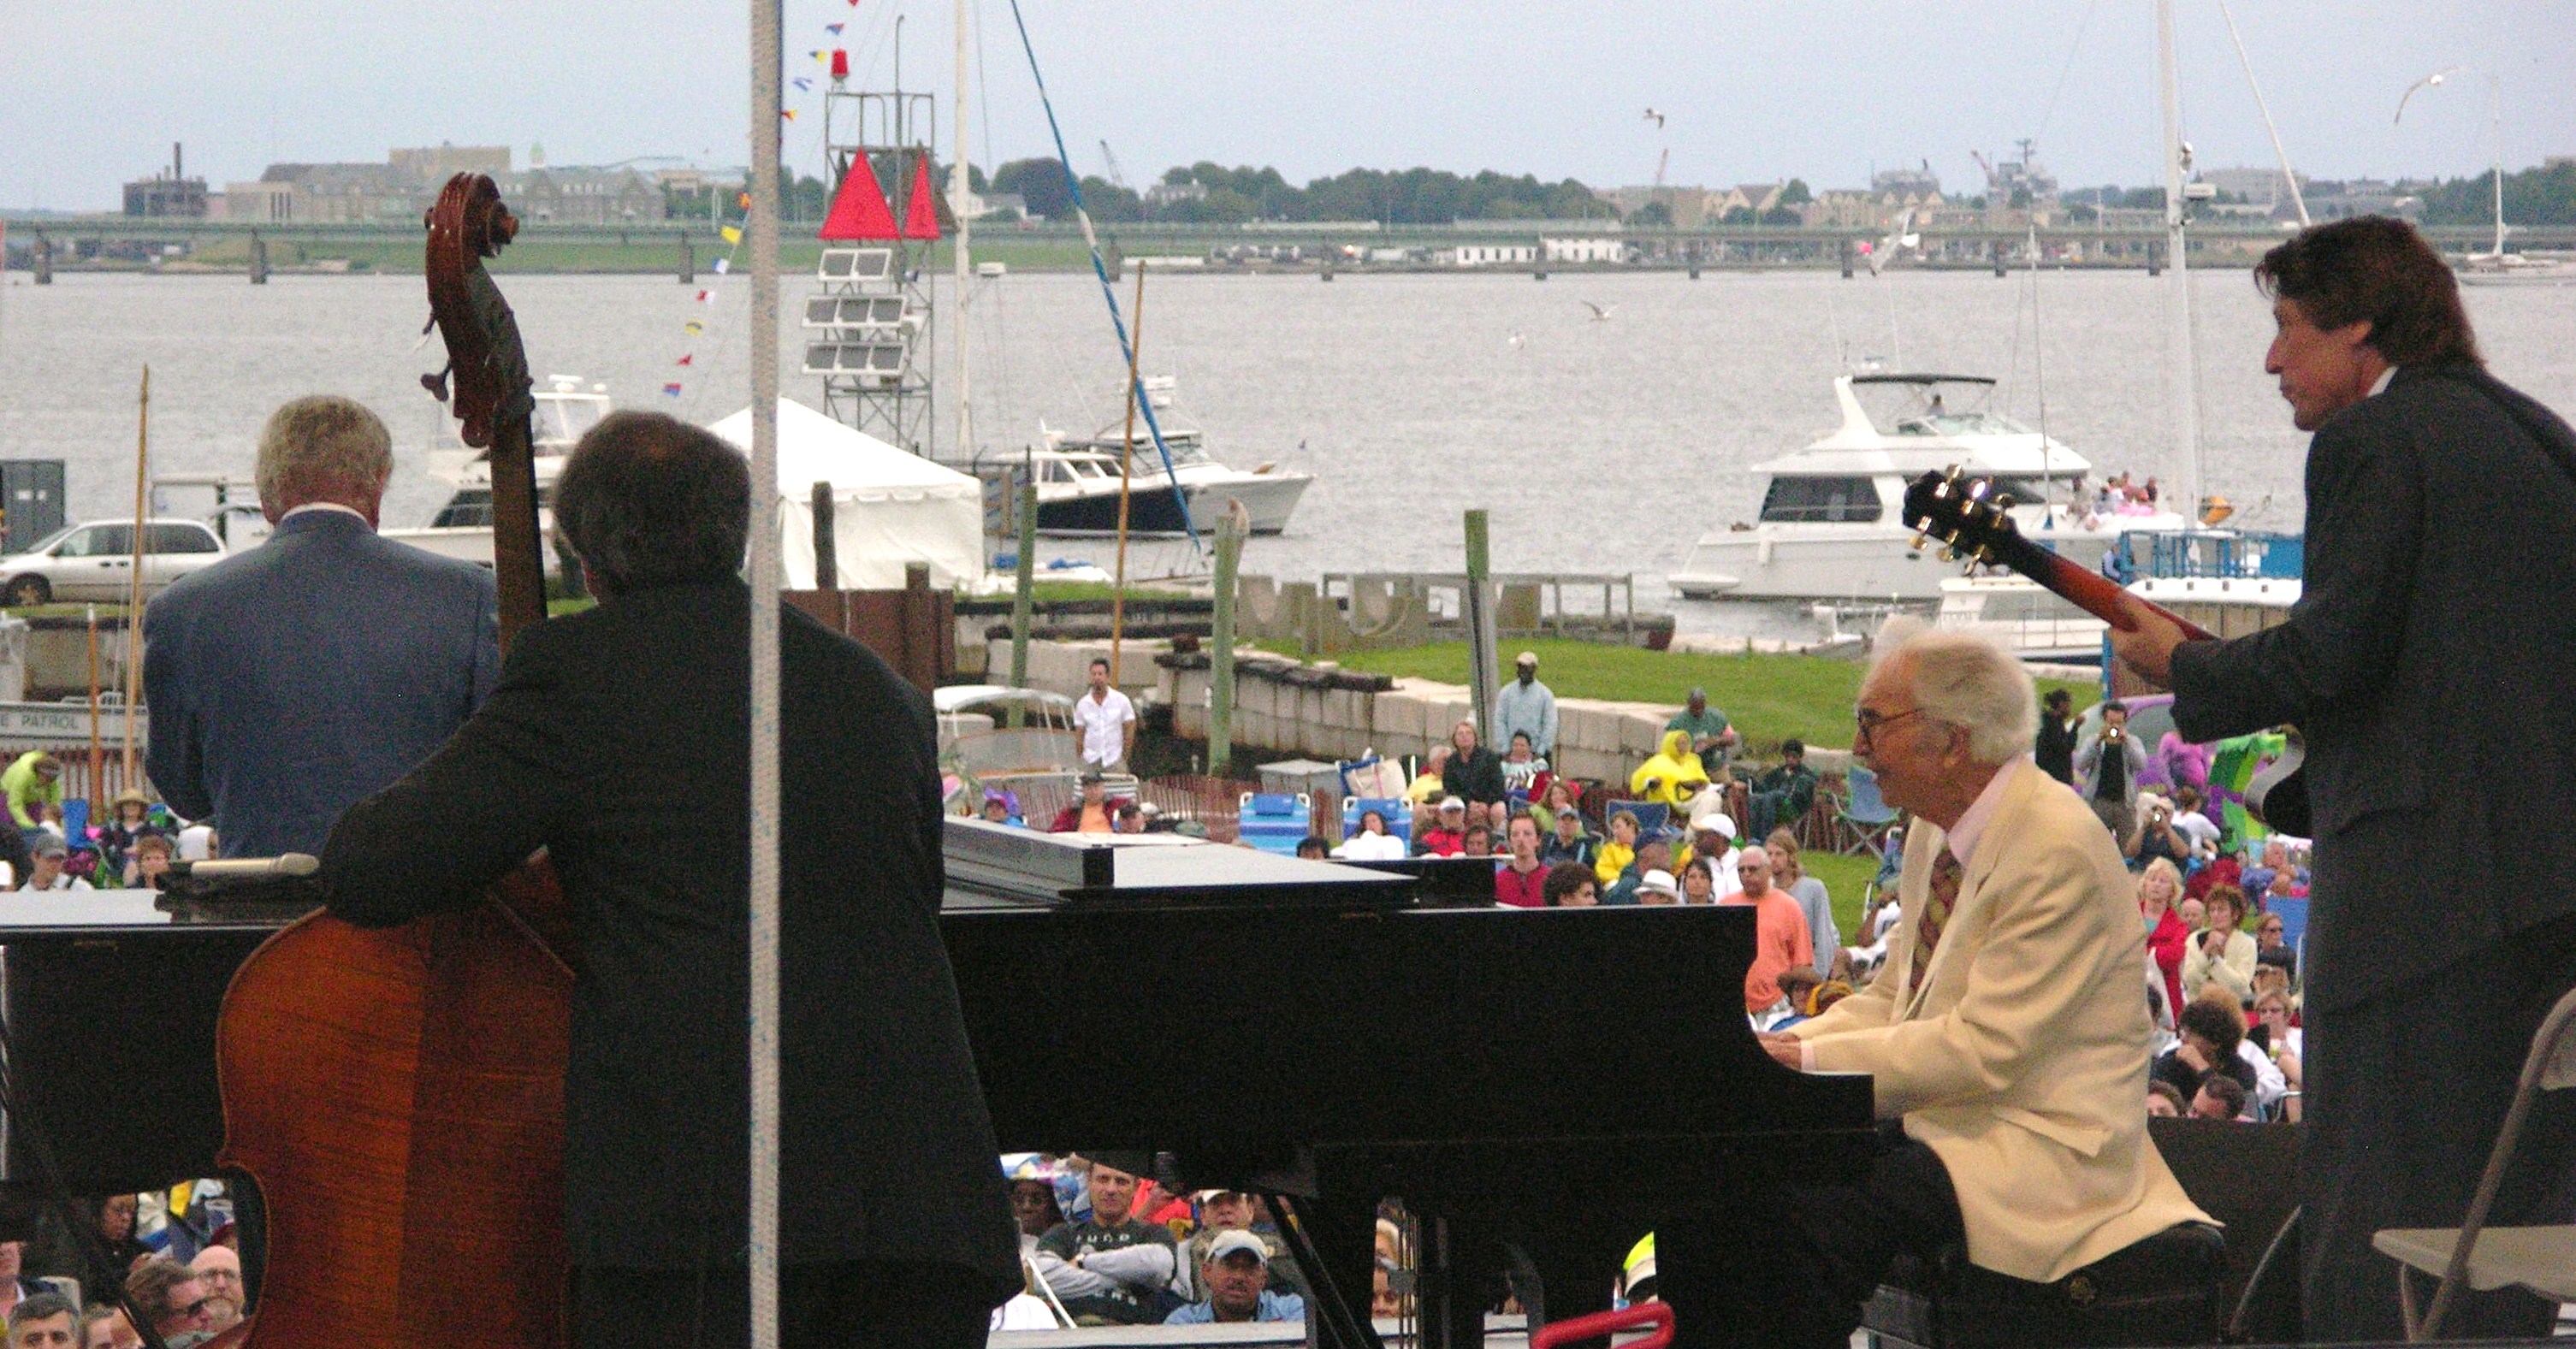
point(1597, 445)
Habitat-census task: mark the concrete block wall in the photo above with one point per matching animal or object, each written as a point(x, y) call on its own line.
point(1065, 667)
point(1604, 741)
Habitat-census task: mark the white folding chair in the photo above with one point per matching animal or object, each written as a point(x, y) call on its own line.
point(2542, 1259)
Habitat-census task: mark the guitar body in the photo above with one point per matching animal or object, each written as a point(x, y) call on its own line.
point(398, 1095)
point(1965, 515)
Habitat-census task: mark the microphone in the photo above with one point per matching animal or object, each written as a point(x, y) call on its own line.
point(285, 866)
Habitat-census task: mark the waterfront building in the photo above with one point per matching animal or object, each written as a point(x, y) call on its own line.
point(1584, 250)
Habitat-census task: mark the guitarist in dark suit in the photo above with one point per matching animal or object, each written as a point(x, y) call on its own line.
point(2437, 628)
point(619, 740)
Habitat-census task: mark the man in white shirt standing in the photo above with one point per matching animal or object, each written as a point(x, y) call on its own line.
point(1107, 721)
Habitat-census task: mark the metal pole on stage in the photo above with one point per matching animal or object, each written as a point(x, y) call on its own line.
point(765, 118)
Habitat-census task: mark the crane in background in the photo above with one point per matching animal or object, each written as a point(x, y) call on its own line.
point(1117, 175)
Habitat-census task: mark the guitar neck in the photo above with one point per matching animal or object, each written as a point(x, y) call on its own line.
point(2090, 591)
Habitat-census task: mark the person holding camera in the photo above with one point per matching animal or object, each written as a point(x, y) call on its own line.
point(2107, 762)
point(2154, 835)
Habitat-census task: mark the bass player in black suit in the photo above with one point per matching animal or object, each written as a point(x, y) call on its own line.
point(619, 740)
point(2431, 663)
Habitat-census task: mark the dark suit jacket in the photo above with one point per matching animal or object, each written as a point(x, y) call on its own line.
point(619, 741)
point(290, 680)
point(2429, 662)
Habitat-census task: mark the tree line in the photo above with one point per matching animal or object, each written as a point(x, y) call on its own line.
point(1235, 195)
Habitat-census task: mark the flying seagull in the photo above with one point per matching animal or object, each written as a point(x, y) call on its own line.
point(1599, 314)
point(1655, 117)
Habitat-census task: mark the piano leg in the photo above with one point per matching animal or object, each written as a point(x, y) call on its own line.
point(1313, 1227)
point(1450, 1284)
point(1558, 1282)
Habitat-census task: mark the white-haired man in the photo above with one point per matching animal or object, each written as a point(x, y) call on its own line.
point(2005, 1037)
point(289, 681)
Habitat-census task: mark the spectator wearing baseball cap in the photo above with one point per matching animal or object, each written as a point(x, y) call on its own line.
point(47, 871)
point(1447, 836)
point(1235, 1276)
point(1527, 707)
point(1090, 815)
point(1657, 887)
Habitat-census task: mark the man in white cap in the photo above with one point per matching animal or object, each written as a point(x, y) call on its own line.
point(1527, 707)
point(1235, 1276)
point(1447, 837)
point(1713, 837)
point(1657, 887)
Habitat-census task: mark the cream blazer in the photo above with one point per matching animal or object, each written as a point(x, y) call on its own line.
point(2019, 1055)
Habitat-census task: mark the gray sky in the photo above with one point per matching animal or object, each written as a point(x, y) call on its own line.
point(96, 89)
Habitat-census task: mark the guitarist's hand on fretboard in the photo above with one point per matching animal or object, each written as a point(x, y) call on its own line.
point(2146, 642)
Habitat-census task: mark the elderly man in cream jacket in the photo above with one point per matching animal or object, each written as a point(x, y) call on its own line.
point(2006, 1036)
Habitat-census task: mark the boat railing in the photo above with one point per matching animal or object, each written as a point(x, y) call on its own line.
point(2205, 554)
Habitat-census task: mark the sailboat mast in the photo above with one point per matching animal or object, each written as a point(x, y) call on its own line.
point(2495, 128)
point(962, 268)
point(2181, 363)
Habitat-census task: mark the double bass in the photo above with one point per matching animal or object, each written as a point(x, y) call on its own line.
point(398, 1094)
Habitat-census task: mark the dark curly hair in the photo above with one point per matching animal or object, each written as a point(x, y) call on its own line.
point(649, 500)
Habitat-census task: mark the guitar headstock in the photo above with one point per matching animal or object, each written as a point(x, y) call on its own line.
point(1966, 514)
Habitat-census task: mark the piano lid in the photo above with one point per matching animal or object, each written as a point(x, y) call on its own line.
point(1133, 871)
point(74, 915)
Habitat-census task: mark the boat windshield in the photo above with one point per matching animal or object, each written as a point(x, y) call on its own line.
point(565, 419)
point(1979, 423)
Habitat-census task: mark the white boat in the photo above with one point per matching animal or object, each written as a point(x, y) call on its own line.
point(2022, 616)
point(2228, 582)
point(462, 529)
point(1077, 480)
point(1832, 523)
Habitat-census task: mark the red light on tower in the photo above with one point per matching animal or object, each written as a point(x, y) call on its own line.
point(840, 65)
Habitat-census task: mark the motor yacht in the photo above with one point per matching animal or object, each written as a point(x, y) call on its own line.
point(566, 408)
point(1077, 479)
point(1831, 525)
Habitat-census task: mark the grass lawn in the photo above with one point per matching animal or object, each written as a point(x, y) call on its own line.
point(1845, 878)
point(1768, 698)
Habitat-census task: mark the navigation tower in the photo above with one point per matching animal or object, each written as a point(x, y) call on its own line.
point(868, 323)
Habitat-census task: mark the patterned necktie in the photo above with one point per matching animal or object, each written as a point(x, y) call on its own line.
point(1936, 909)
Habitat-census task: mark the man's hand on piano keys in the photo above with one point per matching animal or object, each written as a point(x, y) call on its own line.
point(1783, 1048)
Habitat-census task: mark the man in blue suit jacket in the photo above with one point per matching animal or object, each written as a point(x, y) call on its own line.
point(290, 681)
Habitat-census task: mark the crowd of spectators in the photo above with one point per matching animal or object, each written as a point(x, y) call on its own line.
point(2222, 975)
point(131, 845)
point(162, 1258)
point(1103, 1243)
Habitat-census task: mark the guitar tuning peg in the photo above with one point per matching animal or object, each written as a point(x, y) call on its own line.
point(1919, 538)
point(1949, 554)
point(1978, 489)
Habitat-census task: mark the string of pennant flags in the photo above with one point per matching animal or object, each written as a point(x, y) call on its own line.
point(696, 328)
point(854, 213)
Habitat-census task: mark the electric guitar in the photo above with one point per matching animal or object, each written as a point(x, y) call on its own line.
point(1972, 519)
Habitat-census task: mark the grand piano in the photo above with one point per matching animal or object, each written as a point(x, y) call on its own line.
point(1535, 1086)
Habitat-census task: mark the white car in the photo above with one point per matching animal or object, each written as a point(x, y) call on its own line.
point(94, 561)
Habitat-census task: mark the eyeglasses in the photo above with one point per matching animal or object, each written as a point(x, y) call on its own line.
point(1867, 724)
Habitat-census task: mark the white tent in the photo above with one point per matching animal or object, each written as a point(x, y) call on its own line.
point(889, 507)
